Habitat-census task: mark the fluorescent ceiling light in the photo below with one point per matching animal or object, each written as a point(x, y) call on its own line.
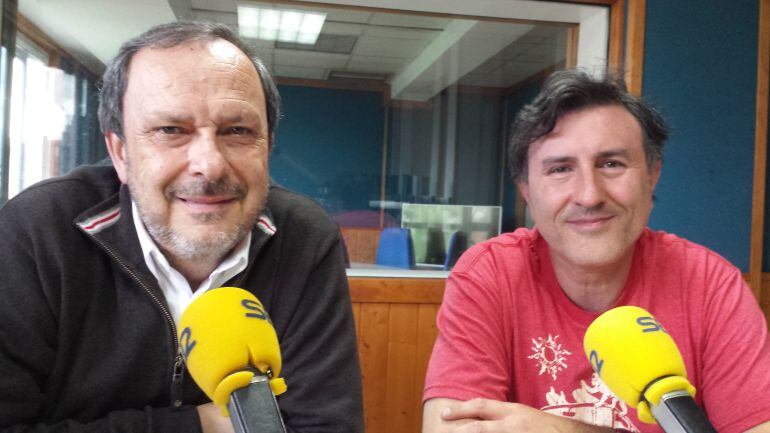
point(285, 25)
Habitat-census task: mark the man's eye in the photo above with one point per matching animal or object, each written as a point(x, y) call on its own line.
point(558, 169)
point(612, 164)
point(239, 130)
point(170, 130)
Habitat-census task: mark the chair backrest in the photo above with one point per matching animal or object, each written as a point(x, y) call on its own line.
point(395, 248)
point(458, 243)
point(435, 251)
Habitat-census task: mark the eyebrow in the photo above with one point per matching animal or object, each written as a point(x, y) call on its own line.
point(613, 153)
point(175, 117)
point(558, 160)
point(604, 154)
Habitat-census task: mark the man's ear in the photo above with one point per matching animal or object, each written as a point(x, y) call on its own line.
point(654, 174)
point(117, 150)
point(524, 190)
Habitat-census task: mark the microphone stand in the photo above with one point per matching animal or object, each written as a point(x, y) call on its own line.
point(253, 408)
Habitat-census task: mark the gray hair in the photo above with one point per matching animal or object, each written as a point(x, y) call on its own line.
point(573, 90)
point(115, 79)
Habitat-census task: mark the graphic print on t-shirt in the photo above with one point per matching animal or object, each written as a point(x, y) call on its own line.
point(549, 355)
point(592, 404)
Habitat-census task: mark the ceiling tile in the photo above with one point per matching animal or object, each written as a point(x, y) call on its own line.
point(299, 72)
point(230, 19)
point(339, 15)
point(336, 28)
point(401, 33)
point(309, 59)
point(374, 64)
point(389, 47)
point(414, 21)
point(260, 43)
point(215, 5)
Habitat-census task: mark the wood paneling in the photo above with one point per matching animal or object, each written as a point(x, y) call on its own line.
point(361, 243)
point(635, 45)
point(402, 356)
point(396, 323)
point(372, 349)
point(573, 39)
point(426, 336)
point(760, 152)
point(764, 301)
point(397, 290)
point(617, 20)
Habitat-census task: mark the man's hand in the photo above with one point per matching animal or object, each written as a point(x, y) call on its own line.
point(489, 416)
point(212, 420)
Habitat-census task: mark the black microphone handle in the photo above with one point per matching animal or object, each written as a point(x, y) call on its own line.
point(253, 409)
point(678, 413)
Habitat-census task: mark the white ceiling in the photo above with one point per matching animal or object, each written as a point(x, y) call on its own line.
point(415, 52)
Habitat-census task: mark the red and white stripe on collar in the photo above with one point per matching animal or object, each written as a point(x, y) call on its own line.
point(101, 221)
point(266, 225)
point(105, 219)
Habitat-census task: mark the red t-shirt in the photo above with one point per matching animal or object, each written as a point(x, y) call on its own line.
point(508, 332)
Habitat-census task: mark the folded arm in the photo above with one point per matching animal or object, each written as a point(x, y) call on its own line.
point(444, 415)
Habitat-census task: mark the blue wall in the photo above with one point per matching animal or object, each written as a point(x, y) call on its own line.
point(329, 146)
point(700, 71)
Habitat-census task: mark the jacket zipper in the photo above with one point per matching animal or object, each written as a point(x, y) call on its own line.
point(177, 376)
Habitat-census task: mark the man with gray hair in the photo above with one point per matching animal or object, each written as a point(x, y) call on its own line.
point(100, 263)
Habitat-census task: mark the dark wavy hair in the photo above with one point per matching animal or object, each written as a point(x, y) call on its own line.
point(115, 78)
point(573, 90)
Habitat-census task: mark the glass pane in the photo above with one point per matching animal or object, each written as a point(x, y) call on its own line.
point(52, 121)
point(381, 109)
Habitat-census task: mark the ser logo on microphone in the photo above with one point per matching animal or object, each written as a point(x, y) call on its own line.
point(596, 362)
point(254, 310)
point(188, 344)
point(257, 311)
point(649, 324)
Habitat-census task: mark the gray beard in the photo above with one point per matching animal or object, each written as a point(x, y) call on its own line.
point(180, 247)
point(188, 248)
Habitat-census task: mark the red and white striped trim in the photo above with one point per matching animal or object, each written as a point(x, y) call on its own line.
point(101, 221)
point(266, 225)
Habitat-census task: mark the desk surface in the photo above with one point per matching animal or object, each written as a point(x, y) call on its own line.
point(379, 271)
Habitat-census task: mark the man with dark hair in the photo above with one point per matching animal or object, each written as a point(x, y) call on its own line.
point(100, 263)
point(586, 156)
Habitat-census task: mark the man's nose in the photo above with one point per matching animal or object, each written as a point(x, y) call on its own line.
point(205, 157)
point(589, 189)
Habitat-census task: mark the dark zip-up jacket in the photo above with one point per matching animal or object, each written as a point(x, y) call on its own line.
point(86, 340)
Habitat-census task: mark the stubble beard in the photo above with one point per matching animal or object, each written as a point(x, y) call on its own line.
point(202, 247)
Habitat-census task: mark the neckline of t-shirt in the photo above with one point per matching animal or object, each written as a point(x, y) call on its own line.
point(578, 314)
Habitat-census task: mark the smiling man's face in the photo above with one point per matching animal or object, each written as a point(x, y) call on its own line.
point(589, 187)
point(195, 154)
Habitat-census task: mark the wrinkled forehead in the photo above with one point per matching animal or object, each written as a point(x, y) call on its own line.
point(209, 61)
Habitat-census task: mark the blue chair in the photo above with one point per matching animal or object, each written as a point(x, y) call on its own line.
point(395, 248)
point(458, 243)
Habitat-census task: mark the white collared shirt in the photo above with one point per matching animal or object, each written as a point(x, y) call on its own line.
point(174, 286)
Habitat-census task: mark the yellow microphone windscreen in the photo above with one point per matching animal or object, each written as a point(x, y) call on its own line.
point(629, 350)
point(223, 334)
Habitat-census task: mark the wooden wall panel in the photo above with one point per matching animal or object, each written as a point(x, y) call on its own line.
point(402, 350)
point(760, 152)
point(426, 336)
point(373, 351)
point(396, 324)
point(764, 301)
